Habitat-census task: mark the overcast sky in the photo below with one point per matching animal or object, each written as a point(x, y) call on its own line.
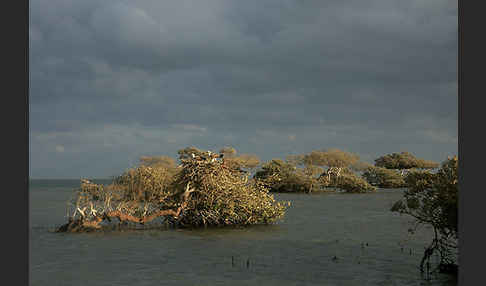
point(111, 81)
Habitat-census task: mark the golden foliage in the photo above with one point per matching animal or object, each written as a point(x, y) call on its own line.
point(204, 191)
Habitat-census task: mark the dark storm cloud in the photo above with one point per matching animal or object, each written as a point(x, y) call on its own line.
point(113, 80)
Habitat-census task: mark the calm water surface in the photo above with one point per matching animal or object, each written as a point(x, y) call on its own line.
point(296, 251)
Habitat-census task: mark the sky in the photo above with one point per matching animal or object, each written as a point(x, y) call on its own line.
point(110, 81)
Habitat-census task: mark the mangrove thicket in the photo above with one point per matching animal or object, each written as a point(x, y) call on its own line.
point(204, 190)
point(432, 200)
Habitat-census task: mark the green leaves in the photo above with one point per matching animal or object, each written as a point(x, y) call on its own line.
point(432, 199)
point(404, 160)
point(305, 173)
point(350, 183)
point(331, 158)
point(412, 203)
point(383, 178)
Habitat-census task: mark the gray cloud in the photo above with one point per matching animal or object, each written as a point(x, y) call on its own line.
point(113, 80)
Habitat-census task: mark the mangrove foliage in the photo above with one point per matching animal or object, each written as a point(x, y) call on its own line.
point(204, 190)
point(432, 200)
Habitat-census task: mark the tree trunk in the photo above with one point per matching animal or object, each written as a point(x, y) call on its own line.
point(81, 224)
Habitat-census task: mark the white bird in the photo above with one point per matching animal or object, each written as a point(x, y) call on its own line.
point(81, 211)
point(193, 156)
point(93, 210)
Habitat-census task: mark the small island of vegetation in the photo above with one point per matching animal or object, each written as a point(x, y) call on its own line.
point(318, 171)
point(390, 170)
point(204, 190)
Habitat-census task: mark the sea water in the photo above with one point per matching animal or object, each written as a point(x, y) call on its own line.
point(324, 239)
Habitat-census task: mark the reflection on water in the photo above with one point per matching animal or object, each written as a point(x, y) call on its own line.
point(325, 239)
